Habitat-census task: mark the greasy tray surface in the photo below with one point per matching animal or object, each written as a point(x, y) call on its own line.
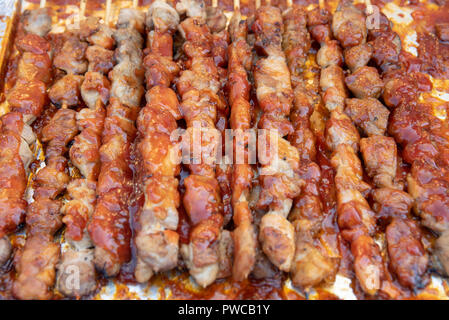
point(408, 20)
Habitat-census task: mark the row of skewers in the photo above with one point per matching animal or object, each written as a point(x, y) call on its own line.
point(197, 71)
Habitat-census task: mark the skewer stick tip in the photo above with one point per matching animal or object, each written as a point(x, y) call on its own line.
point(107, 15)
point(321, 4)
point(369, 7)
point(289, 3)
point(82, 8)
point(42, 3)
point(236, 5)
point(214, 3)
point(135, 3)
point(257, 4)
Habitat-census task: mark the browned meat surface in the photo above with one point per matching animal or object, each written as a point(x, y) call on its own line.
point(94, 89)
point(28, 98)
point(66, 91)
point(100, 59)
point(216, 20)
point(349, 25)
point(390, 203)
point(365, 82)
point(36, 263)
point(408, 259)
point(380, 158)
point(358, 56)
point(162, 17)
point(5, 250)
point(36, 268)
point(329, 54)
point(71, 57)
point(13, 178)
point(442, 31)
point(34, 66)
point(80, 262)
point(96, 33)
point(442, 252)
point(369, 114)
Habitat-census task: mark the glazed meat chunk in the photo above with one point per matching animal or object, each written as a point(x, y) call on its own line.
point(100, 59)
point(358, 56)
point(349, 25)
point(132, 36)
point(66, 91)
point(408, 259)
point(95, 88)
point(386, 49)
point(389, 203)
point(365, 82)
point(71, 56)
point(27, 97)
point(96, 33)
point(329, 54)
point(380, 157)
point(442, 31)
point(369, 114)
point(216, 20)
point(34, 67)
point(442, 252)
point(340, 130)
point(126, 83)
point(5, 250)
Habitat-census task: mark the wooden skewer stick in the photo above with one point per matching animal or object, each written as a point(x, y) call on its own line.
point(321, 4)
point(236, 5)
point(135, 4)
point(369, 7)
point(289, 3)
point(42, 3)
point(268, 2)
point(82, 9)
point(257, 4)
point(107, 15)
point(214, 3)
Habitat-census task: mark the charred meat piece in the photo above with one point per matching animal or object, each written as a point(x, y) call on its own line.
point(66, 91)
point(349, 25)
point(34, 67)
point(71, 57)
point(358, 56)
point(380, 157)
point(370, 115)
point(100, 59)
point(408, 259)
point(390, 203)
point(365, 82)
